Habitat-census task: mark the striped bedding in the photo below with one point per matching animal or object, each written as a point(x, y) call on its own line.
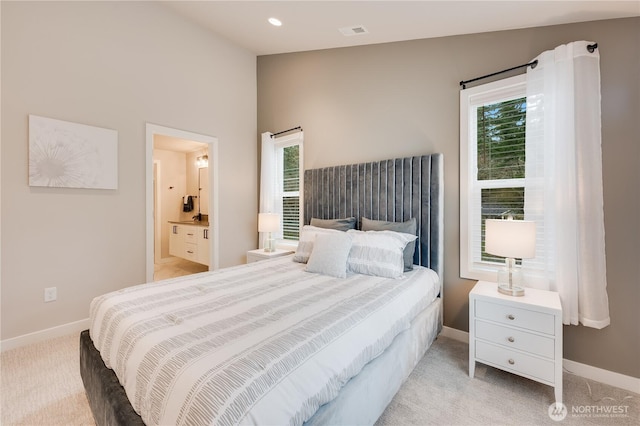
point(263, 343)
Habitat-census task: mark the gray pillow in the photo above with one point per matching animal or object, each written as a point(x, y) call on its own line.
point(339, 224)
point(408, 227)
point(329, 255)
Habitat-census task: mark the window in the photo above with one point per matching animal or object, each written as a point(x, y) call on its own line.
point(492, 165)
point(288, 193)
point(563, 137)
point(281, 184)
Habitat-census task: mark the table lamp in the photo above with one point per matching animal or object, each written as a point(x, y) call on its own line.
point(268, 222)
point(511, 239)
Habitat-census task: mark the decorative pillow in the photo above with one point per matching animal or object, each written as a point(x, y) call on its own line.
point(305, 243)
point(340, 224)
point(408, 227)
point(329, 255)
point(378, 253)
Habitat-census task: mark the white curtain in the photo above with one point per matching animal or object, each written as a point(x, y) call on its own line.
point(267, 180)
point(563, 184)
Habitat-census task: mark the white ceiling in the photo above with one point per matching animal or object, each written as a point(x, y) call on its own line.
point(312, 25)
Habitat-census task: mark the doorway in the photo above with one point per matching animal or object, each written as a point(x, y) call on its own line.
point(174, 144)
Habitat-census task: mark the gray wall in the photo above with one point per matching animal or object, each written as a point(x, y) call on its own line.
point(117, 65)
point(399, 99)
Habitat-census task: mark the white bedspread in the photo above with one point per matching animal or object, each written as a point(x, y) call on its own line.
point(263, 343)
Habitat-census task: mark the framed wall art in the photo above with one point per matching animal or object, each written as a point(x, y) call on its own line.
point(70, 155)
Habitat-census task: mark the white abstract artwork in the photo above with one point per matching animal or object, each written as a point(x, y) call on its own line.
point(71, 155)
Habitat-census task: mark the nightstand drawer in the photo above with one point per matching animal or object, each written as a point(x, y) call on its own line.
point(517, 339)
point(530, 320)
point(514, 361)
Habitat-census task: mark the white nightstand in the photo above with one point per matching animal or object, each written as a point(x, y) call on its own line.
point(522, 335)
point(260, 254)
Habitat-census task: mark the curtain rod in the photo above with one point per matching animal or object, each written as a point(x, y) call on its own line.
point(285, 131)
point(590, 47)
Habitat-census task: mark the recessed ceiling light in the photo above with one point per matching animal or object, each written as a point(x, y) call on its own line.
point(275, 22)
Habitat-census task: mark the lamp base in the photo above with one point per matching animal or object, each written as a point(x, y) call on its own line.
point(511, 291)
point(269, 244)
point(510, 279)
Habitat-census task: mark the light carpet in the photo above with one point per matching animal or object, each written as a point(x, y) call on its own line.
point(41, 385)
point(439, 391)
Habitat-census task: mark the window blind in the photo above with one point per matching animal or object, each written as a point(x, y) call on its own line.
point(493, 128)
point(500, 156)
point(291, 192)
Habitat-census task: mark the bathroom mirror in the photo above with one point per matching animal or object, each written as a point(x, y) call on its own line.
point(203, 194)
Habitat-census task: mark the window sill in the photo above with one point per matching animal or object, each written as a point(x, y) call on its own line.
point(287, 245)
point(480, 272)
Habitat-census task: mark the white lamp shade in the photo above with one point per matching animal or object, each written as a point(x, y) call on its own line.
point(268, 222)
point(510, 238)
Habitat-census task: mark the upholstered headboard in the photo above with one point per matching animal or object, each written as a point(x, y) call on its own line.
point(393, 190)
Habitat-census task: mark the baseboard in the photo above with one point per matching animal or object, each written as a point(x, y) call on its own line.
point(455, 334)
point(42, 335)
point(611, 378)
point(607, 377)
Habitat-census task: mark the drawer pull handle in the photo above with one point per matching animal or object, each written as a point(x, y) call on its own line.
point(511, 317)
point(189, 251)
point(511, 361)
point(511, 339)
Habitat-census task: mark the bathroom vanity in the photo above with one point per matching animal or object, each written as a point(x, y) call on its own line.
point(190, 240)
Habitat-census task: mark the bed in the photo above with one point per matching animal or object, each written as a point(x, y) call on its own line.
point(283, 383)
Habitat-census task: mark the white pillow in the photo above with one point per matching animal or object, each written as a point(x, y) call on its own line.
point(329, 255)
point(378, 253)
point(305, 243)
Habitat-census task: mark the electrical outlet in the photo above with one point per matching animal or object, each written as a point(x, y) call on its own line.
point(50, 294)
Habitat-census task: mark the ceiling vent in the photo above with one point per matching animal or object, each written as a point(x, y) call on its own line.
point(355, 30)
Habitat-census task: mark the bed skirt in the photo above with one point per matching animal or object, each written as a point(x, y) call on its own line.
point(361, 401)
point(365, 397)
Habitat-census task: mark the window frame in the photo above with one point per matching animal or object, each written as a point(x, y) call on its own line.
point(472, 267)
point(279, 145)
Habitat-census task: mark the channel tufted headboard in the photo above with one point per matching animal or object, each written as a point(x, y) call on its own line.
point(392, 190)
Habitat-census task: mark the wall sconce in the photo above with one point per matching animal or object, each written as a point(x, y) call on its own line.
point(202, 161)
